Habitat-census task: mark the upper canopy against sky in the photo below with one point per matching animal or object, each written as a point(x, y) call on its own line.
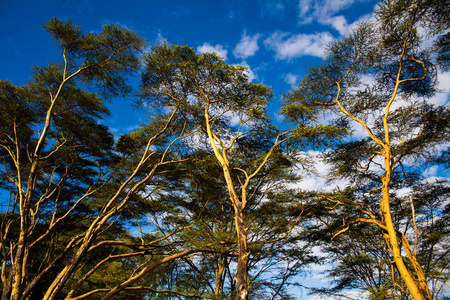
point(276, 39)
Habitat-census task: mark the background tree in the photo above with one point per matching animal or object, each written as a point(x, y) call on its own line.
point(380, 77)
point(361, 260)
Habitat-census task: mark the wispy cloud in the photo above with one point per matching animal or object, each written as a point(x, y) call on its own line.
point(298, 45)
point(326, 12)
point(291, 79)
point(443, 94)
point(250, 74)
point(305, 7)
point(218, 49)
point(326, 7)
point(247, 46)
point(313, 173)
point(160, 39)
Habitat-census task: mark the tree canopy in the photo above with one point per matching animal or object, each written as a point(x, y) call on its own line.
point(204, 200)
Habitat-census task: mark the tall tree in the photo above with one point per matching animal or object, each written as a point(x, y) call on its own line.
point(225, 111)
point(50, 140)
point(380, 77)
point(71, 192)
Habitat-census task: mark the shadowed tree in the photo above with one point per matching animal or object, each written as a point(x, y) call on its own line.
point(274, 258)
point(71, 194)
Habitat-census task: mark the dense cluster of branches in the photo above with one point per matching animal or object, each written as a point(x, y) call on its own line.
point(203, 201)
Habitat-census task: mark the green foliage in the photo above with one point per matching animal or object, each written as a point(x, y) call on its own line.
point(198, 193)
point(105, 57)
point(175, 76)
point(149, 215)
point(381, 76)
point(54, 152)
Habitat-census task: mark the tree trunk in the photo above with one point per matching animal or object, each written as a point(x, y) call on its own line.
point(241, 271)
point(417, 292)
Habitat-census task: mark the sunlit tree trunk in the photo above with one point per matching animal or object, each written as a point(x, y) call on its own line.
point(418, 288)
point(241, 271)
point(238, 206)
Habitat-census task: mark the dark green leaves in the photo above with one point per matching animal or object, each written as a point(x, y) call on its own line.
point(105, 58)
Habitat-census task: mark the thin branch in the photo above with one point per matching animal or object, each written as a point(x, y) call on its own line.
point(416, 233)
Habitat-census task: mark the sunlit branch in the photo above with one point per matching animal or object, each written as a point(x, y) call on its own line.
point(54, 222)
point(364, 220)
point(133, 288)
point(360, 121)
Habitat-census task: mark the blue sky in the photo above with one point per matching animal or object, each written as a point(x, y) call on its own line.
point(276, 39)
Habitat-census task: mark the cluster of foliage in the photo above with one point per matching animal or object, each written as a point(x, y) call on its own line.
point(203, 200)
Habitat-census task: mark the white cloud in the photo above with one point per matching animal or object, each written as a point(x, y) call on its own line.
point(311, 183)
point(218, 49)
point(299, 44)
point(404, 192)
point(358, 132)
point(321, 8)
point(326, 12)
point(251, 75)
point(279, 117)
point(337, 22)
point(291, 79)
point(160, 39)
point(430, 172)
point(443, 94)
point(305, 7)
point(247, 46)
point(313, 177)
point(234, 118)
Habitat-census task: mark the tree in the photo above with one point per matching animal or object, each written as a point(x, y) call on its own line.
point(380, 77)
point(227, 113)
point(71, 191)
point(53, 100)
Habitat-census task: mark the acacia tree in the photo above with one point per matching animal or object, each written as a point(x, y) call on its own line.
point(224, 109)
point(380, 77)
point(70, 194)
point(53, 101)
